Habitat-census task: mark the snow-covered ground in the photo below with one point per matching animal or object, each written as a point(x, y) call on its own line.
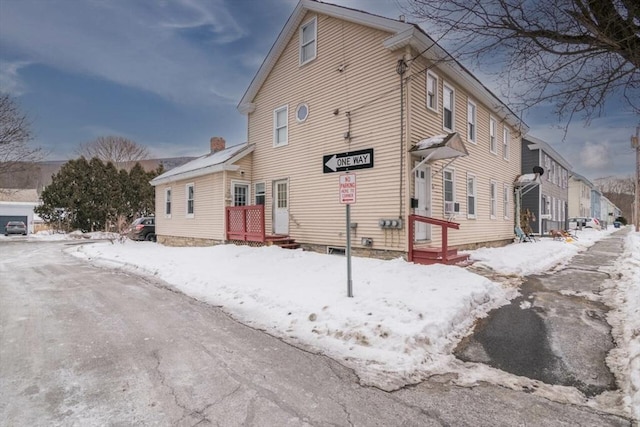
point(403, 321)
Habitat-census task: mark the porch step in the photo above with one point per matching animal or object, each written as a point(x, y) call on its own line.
point(284, 242)
point(428, 256)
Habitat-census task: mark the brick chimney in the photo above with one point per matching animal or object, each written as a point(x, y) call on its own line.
point(217, 144)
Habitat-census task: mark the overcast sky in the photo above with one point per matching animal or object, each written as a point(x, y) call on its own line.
point(168, 74)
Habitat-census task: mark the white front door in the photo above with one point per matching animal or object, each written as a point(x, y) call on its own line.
point(281, 207)
point(422, 192)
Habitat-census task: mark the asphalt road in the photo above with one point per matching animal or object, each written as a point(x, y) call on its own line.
point(81, 345)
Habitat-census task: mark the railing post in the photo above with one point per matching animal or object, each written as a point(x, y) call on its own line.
point(263, 233)
point(411, 226)
point(445, 244)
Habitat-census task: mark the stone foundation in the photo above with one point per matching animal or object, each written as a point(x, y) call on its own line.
point(186, 241)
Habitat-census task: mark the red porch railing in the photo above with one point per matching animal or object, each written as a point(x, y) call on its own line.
point(444, 226)
point(245, 223)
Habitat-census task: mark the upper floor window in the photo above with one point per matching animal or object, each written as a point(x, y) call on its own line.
point(471, 121)
point(190, 196)
point(280, 126)
point(448, 108)
point(167, 202)
point(432, 91)
point(506, 136)
point(308, 35)
point(493, 128)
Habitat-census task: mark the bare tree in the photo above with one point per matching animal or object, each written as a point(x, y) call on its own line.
point(619, 191)
point(120, 151)
point(16, 154)
point(573, 53)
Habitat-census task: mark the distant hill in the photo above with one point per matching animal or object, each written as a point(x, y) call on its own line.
point(39, 175)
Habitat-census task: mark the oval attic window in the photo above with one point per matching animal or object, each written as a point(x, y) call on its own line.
point(302, 112)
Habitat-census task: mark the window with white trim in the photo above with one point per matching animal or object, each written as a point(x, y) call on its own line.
point(308, 36)
point(190, 194)
point(471, 196)
point(432, 91)
point(240, 191)
point(471, 121)
point(167, 202)
point(260, 192)
point(505, 201)
point(448, 108)
point(493, 129)
point(493, 199)
point(448, 184)
point(506, 137)
point(280, 126)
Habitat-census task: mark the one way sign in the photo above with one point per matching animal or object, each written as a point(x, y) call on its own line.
point(351, 160)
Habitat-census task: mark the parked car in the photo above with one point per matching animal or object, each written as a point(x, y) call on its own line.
point(143, 229)
point(584, 222)
point(617, 224)
point(15, 227)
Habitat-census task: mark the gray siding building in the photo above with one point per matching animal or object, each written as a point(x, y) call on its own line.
point(549, 201)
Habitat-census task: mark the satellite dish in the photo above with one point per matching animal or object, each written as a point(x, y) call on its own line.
point(538, 170)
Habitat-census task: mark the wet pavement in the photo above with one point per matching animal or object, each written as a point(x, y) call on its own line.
point(556, 332)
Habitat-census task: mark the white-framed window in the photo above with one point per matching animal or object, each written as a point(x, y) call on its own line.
point(544, 207)
point(472, 200)
point(448, 108)
point(505, 201)
point(302, 112)
point(190, 196)
point(506, 137)
point(493, 199)
point(432, 91)
point(167, 202)
point(547, 167)
point(281, 126)
point(308, 36)
point(493, 130)
point(471, 121)
point(448, 185)
point(259, 189)
point(240, 192)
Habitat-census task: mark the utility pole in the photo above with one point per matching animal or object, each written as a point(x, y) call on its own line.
point(635, 143)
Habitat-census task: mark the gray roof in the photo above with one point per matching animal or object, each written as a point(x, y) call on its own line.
point(207, 164)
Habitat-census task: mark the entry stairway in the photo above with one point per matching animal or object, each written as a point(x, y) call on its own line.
point(284, 242)
point(428, 256)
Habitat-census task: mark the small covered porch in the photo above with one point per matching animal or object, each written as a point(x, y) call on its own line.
point(421, 247)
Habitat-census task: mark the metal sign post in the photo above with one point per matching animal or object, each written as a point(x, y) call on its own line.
point(347, 191)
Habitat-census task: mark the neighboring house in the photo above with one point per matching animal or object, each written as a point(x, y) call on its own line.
point(18, 205)
point(596, 203)
point(579, 196)
point(344, 89)
point(548, 202)
point(191, 199)
point(607, 211)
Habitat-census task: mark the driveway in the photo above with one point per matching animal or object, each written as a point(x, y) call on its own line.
point(81, 345)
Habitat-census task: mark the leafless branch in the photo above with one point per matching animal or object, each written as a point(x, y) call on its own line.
point(120, 151)
point(574, 53)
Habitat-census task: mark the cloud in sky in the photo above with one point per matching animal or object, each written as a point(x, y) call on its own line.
point(169, 74)
point(145, 45)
